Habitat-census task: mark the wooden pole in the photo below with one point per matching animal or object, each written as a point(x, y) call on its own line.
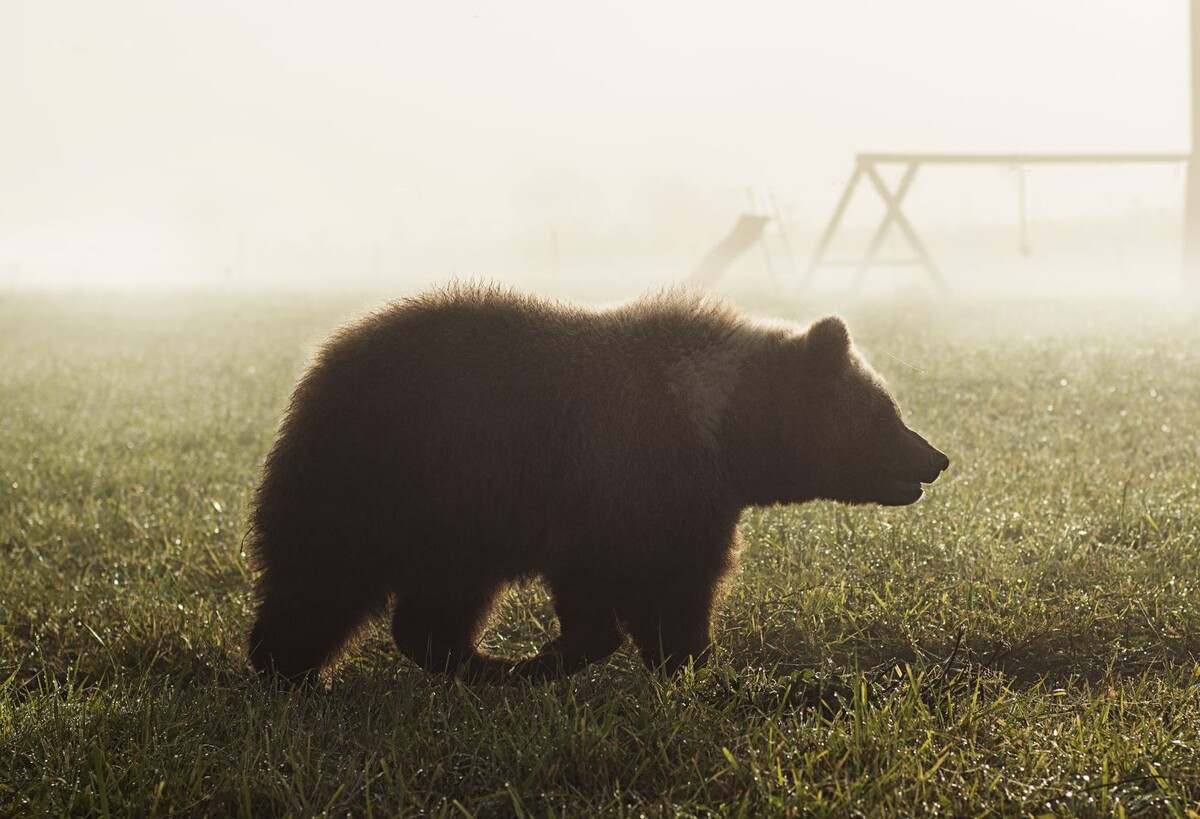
point(893, 207)
point(897, 217)
point(818, 257)
point(1191, 208)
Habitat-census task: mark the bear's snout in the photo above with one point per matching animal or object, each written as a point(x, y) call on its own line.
point(940, 461)
point(928, 460)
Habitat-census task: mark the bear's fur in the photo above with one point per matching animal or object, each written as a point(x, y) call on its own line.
point(452, 444)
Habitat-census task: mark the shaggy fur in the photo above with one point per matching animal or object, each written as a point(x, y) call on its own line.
point(452, 444)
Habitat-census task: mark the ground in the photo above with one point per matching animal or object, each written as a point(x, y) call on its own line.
point(1026, 639)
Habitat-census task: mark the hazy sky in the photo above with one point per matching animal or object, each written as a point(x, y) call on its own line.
point(137, 135)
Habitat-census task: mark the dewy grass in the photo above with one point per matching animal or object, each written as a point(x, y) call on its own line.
point(1022, 641)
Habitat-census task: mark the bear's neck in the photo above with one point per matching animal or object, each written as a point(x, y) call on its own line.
point(761, 439)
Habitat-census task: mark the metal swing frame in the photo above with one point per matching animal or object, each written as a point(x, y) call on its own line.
point(866, 166)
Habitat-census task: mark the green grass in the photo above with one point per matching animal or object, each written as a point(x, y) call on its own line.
point(1026, 640)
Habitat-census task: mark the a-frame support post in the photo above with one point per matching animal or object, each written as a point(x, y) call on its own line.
point(892, 202)
point(896, 215)
point(835, 220)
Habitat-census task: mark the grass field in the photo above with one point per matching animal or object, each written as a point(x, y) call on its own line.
point(1024, 641)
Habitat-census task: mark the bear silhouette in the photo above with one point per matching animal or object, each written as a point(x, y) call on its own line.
point(452, 444)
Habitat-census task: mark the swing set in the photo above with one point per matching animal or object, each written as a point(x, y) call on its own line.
point(866, 167)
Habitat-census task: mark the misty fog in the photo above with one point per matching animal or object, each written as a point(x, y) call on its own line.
point(590, 151)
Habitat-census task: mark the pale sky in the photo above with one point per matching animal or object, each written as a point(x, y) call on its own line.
point(143, 136)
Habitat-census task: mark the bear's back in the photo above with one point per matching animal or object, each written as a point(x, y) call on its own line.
point(471, 344)
point(476, 393)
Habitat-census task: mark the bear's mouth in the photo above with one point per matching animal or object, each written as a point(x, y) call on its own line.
point(900, 492)
point(902, 487)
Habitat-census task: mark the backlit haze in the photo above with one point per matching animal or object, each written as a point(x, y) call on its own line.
point(593, 150)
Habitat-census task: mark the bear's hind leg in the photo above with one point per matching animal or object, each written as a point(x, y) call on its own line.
point(670, 631)
point(588, 633)
point(438, 629)
point(301, 625)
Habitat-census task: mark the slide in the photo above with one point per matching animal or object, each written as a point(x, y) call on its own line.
point(745, 233)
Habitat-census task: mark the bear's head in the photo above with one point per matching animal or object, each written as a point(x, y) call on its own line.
point(864, 451)
point(827, 427)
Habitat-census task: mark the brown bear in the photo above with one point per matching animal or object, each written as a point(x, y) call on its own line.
point(452, 444)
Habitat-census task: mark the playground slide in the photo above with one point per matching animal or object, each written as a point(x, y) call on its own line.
point(745, 233)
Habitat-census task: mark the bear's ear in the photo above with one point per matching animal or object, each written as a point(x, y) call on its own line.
point(828, 341)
